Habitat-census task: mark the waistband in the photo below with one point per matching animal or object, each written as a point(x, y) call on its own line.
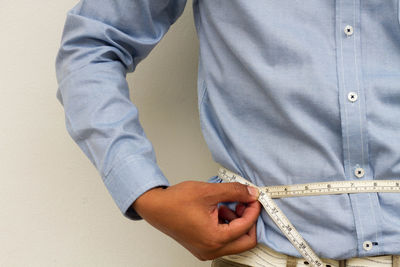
point(262, 256)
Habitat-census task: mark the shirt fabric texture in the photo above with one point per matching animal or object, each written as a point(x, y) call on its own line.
point(288, 92)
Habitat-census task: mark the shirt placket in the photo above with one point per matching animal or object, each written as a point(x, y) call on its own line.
point(352, 102)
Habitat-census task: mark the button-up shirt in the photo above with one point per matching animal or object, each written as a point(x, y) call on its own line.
point(288, 92)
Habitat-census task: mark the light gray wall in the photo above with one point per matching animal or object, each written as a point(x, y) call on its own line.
point(55, 210)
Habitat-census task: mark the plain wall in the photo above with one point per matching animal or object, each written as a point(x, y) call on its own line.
point(55, 209)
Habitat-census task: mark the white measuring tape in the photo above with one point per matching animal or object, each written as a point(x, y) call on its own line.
point(310, 189)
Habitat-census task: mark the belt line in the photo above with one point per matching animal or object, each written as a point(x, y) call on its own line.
point(318, 188)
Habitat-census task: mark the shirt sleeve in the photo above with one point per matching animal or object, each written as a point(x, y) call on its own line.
point(101, 42)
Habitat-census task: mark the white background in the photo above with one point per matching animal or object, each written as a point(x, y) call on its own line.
point(54, 207)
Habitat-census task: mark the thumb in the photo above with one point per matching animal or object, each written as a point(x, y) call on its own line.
point(235, 192)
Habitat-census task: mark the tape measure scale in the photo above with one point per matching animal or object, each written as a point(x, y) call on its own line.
point(334, 187)
point(310, 189)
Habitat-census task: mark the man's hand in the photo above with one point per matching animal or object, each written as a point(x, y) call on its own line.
point(189, 213)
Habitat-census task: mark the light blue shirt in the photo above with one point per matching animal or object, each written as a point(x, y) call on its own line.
point(288, 92)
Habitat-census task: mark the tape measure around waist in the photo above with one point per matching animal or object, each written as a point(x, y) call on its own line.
point(310, 189)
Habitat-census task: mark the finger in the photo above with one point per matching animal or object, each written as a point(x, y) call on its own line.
point(240, 207)
point(226, 213)
point(243, 243)
point(233, 192)
point(240, 226)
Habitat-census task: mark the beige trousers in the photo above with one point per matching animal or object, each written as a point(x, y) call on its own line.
point(264, 256)
point(380, 261)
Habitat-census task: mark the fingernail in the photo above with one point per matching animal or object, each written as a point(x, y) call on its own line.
point(253, 191)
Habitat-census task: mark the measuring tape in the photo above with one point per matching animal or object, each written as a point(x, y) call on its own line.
point(311, 189)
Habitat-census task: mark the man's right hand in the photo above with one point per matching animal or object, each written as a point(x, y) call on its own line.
point(189, 213)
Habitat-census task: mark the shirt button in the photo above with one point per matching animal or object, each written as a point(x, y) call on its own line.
point(348, 30)
point(352, 96)
point(359, 172)
point(367, 245)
